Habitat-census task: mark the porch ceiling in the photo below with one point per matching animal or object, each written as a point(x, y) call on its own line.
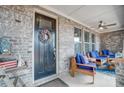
point(90, 15)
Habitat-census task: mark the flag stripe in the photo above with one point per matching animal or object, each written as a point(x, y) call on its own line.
point(8, 64)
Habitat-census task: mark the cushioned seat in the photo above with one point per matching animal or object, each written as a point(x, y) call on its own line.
point(80, 59)
point(95, 54)
point(101, 57)
point(111, 56)
point(87, 67)
point(82, 65)
point(108, 53)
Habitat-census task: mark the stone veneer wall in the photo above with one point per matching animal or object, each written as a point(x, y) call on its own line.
point(112, 41)
point(20, 35)
point(120, 74)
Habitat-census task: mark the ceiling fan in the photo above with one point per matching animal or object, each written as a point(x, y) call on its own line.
point(103, 25)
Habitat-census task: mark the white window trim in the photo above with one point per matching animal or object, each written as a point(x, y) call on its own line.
point(83, 40)
point(90, 40)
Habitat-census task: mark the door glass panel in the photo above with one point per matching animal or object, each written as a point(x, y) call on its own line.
point(45, 23)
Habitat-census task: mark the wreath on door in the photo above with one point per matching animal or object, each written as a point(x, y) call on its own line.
point(44, 35)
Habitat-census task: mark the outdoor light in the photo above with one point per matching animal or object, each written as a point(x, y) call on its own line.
point(101, 28)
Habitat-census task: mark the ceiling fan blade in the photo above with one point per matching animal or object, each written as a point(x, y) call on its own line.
point(105, 27)
point(111, 24)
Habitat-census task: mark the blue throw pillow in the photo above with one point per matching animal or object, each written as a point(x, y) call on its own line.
point(105, 52)
point(97, 54)
point(110, 53)
point(78, 60)
point(82, 59)
point(93, 54)
point(85, 60)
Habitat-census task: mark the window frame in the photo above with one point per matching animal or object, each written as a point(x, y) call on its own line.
point(90, 41)
point(82, 40)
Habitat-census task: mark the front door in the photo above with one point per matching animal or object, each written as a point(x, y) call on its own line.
point(44, 46)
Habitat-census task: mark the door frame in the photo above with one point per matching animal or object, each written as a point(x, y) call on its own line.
point(49, 78)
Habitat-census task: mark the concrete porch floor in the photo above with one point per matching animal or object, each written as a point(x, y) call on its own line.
point(80, 80)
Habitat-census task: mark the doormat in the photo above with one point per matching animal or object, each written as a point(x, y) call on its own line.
point(55, 83)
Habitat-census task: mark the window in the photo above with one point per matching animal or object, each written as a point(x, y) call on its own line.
point(77, 40)
point(93, 41)
point(93, 38)
point(86, 36)
point(84, 41)
point(87, 41)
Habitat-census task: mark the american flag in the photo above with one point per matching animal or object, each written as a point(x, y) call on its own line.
point(8, 64)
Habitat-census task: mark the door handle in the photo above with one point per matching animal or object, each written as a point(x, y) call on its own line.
point(54, 52)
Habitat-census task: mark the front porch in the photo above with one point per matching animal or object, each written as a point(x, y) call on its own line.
point(37, 42)
point(101, 80)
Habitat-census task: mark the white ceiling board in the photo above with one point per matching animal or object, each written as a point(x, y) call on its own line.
point(100, 11)
point(89, 12)
point(67, 9)
point(92, 14)
point(108, 18)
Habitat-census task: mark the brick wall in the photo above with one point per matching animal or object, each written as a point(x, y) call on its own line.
point(19, 33)
point(16, 23)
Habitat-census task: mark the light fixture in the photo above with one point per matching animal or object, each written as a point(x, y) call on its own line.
point(101, 28)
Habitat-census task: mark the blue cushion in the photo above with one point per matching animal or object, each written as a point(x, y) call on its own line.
point(105, 52)
point(93, 54)
point(78, 60)
point(81, 59)
point(97, 54)
point(92, 64)
point(86, 61)
point(111, 56)
point(102, 57)
point(110, 53)
point(87, 67)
